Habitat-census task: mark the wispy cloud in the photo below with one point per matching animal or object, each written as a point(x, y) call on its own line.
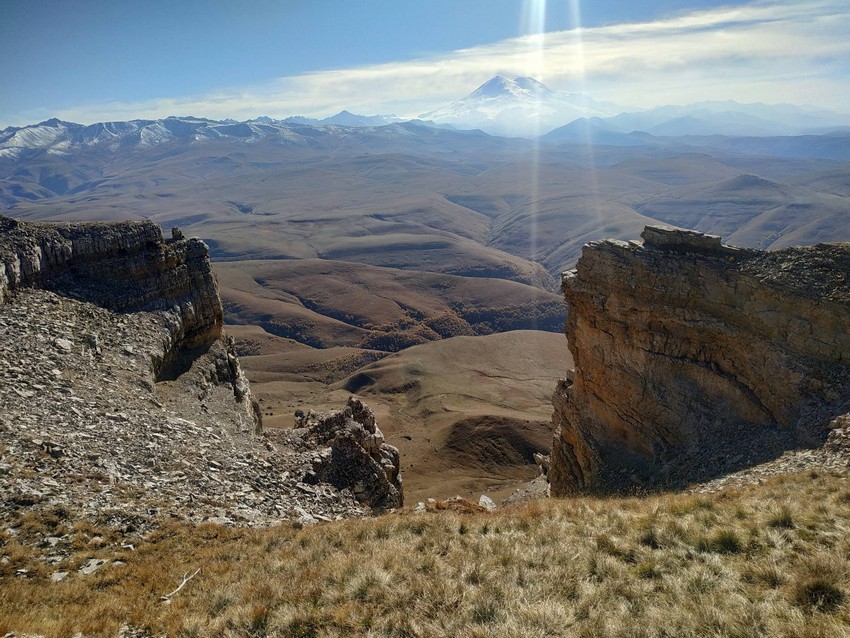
point(767, 51)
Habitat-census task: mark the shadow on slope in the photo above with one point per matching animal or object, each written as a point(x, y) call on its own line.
point(467, 413)
point(499, 444)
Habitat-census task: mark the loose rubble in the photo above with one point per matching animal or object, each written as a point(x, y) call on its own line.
point(93, 431)
point(128, 414)
point(832, 456)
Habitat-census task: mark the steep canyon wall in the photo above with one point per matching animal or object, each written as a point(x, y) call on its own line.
point(692, 358)
point(123, 266)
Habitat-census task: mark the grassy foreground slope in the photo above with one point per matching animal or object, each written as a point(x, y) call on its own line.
point(768, 560)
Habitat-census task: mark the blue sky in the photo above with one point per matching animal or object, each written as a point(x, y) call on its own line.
point(95, 60)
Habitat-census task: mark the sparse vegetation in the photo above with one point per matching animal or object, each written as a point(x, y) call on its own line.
point(541, 315)
point(724, 541)
point(782, 519)
point(395, 337)
point(728, 564)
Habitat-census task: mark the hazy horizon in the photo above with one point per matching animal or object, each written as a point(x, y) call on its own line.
point(94, 61)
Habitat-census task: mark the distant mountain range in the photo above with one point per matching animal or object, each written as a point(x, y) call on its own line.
point(410, 197)
point(708, 118)
point(521, 107)
point(343, 118)
point(524, 107)
point(58, 137)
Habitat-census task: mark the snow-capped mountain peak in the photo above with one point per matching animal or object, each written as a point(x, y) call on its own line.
point(42, 135)
point(531, 85)
point(494, 87)
point(518, 88)
point(521, 107)
point(59, 137)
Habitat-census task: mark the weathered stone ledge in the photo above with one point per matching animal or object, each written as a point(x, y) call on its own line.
point(686, 349)
point(121, 266)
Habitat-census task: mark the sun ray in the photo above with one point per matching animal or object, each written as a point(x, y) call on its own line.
point(578, 59)
point(533, 27)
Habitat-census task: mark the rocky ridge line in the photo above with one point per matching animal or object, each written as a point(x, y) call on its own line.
point(694, 359)
point(124, 266)
point(124, 408)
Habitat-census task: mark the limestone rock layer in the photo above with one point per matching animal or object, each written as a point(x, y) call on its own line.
point(692, 357)
point(122, 266)
point(121, 401)
point(128, 267)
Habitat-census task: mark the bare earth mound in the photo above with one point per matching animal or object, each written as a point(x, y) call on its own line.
point(450, 404)
point(499, 444)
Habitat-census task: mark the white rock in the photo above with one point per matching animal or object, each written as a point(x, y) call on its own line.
point(487, 503)
point(304, 517)
point(92, 565)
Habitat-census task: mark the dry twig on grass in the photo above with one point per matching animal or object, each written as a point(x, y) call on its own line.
point(186, 579)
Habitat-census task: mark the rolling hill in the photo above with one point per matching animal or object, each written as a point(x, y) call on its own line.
point(351, 257)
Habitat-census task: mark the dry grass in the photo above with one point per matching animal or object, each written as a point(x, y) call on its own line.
point(771, 560)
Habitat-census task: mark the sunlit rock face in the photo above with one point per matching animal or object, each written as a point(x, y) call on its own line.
point(123, 266)
point(693, 358)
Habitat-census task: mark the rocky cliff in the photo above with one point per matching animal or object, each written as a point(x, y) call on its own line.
point(121, 400)
point(353, 454)
point(125, 266)
point(693, 358)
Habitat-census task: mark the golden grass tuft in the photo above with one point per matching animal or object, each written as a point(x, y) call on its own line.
point(766, 560)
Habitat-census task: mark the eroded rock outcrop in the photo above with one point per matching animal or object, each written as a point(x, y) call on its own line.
point(121, 401)
point(123, 266)
point(128, 267)
point(693, 358)
point(353, 454)
point(87, 429)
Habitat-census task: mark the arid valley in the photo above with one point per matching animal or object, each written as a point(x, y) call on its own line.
point(478, 319)
point(420, 267)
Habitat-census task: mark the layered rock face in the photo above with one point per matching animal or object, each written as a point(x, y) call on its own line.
point(124, 266)
point(692, 358)
point(121, 401)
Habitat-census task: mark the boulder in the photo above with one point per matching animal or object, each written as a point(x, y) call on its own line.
point(359, 458)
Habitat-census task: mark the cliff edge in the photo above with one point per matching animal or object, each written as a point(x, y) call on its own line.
point(122, 401)
point(693, 359)
point(122, 266)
